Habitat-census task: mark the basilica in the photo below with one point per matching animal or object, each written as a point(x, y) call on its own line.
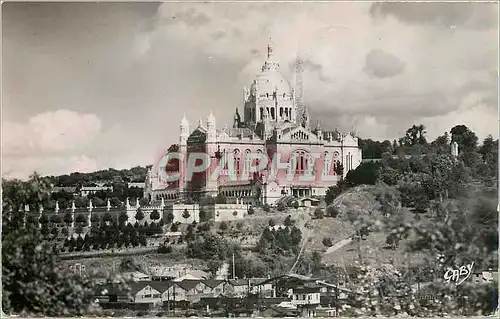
point(272, 121)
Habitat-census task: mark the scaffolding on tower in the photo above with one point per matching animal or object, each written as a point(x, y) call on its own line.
point(299, 87)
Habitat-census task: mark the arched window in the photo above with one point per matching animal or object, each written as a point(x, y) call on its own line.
point(237, 161)
point(301, 162)
point(248, 161)
point(261, 113)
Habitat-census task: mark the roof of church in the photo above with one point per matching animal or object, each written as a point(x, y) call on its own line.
point(235, 132)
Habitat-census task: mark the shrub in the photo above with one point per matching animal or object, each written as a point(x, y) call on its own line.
point(164, 249)
point(220, 199)
point(288, 221)
point(318, 213)
point(327, 242)
point(185, 214)
point(174, 227)
point(267, 208)
point(332, 211)
point(223, 226)
point(251, 210)
point(281, 206)
point(295, 204)
point(272, 223)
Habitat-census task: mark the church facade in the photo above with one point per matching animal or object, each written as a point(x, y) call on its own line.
point(273, 124)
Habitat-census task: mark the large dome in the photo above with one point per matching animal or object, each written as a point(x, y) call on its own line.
point(270, 81)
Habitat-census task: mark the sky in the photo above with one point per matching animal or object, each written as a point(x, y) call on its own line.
point(89, 86)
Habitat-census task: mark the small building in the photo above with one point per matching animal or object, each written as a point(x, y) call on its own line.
point(144, 292)
point(140, 292)
point(307, 298)
point(237, 287)
point(86, 190)
point(215, 287)
point(261, 287)
point(309, 202)
point(484, 276)
point(140, 185)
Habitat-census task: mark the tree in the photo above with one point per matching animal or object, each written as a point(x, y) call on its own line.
point(272, 223)
point(415, 135)
point(174, 228)
point(170, 217)
point(139, 215)
point(251, 210)
point(68, 218)
point(155, 215)
point(331, 193)
point(128, 264)
point(185, 214)
point(339, 169)
point(220, 199)
point(122, 219)
point(288, 221)
point(465, 138)
point(365, 174)
point(327, 242)
point(267, 208)
point(223, 226)
point(295, 204)
point(81, 220)
point(319, 214)
point(332, 211)
point(32, 281)
point(107, 217)
point(28, 267)
point(281, 206)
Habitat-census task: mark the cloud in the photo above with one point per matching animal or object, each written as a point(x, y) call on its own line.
point(48, 141)
point(457, 14)
point(360, 59)
point(139, 67)
point(382, 65)
point(57, 131)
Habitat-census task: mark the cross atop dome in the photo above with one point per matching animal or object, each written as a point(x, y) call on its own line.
point(270, 49)
point(271, 64)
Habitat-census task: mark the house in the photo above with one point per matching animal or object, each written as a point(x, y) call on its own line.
point(237, 287)
point(140, 292)
point(136, 185)
point(307, 298)
point(306, 295)
point(484, 276)
point(214, 287)
point(336, 291)
point(187, 290)
point(144, 292)
point(261, 286)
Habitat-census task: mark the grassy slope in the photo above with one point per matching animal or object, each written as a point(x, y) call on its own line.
point(359, 199)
